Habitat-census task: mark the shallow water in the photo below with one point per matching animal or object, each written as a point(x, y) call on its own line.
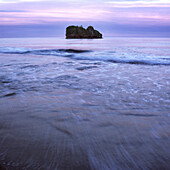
point(84, 104)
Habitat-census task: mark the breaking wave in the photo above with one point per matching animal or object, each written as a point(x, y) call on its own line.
point(55, 52)
point(107, 56)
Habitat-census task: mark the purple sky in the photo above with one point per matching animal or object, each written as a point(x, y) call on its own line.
point(41, 18)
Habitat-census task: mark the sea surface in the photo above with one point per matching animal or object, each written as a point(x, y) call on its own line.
point(85, 104)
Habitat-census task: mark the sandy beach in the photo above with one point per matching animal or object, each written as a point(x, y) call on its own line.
point(79, 111)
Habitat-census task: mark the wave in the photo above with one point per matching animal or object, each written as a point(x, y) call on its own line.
point(139, 62)
point(135, 62)
point(107, 56)
point(13, 50)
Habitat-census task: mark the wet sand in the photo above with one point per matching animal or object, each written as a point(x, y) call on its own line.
point(116, 119)
point(67, 113)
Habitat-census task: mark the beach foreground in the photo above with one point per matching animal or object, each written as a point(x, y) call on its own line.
point(84, 105)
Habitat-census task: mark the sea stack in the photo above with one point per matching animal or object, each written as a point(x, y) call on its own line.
point(76, 32)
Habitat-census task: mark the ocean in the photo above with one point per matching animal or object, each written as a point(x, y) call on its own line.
point(70, 104)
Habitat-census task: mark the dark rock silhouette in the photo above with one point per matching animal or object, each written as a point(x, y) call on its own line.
point(76, 32)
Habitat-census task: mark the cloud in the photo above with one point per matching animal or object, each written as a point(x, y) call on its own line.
point(17, 12)
point(131, 4)
point(118, 16)
point(57, 1)
point(13, 11)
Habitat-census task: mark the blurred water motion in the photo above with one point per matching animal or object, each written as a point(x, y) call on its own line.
point(60, 113)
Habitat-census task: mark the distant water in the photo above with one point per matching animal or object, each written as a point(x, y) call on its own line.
point(85, 104)
point(128, 50)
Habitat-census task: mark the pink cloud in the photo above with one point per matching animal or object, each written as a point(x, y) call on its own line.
point(30, 12)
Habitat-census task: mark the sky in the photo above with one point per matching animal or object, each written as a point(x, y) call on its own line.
point(49, 18)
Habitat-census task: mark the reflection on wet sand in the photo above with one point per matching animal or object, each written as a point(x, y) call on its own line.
point(70, 122)
point(65, 114)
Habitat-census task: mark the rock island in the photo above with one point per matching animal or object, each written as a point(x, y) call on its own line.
point(76, 32)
